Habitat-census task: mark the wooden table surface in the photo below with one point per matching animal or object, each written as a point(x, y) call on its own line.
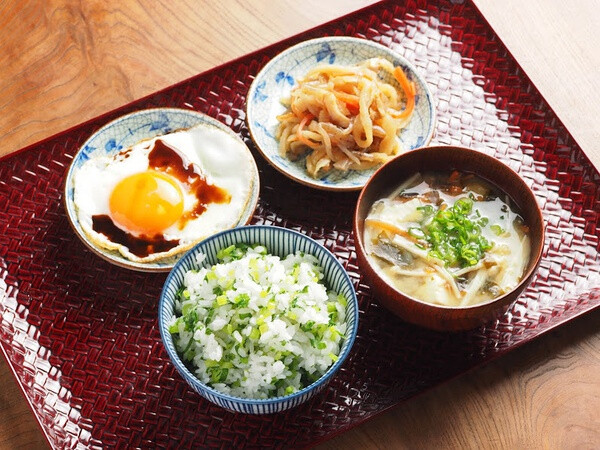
point(65, 61)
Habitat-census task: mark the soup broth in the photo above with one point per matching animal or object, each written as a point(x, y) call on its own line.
point(448, 238)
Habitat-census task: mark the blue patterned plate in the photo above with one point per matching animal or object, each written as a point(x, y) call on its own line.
point(125, 132)
point(276, 79)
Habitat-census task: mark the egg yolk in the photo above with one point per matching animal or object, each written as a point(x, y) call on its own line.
point(146, 203)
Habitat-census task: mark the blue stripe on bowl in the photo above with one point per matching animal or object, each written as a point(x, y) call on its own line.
point(281, 242)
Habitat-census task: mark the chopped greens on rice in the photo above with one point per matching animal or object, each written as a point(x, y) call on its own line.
point(258, 326)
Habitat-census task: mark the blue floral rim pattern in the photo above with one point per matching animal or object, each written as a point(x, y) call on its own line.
point(277, 78)
point(125, 132)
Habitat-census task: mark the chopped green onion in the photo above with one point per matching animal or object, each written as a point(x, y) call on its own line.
point(187, 307)
point(497, 229)
point(427, 210)
point(242, 300)
point(416, 232)
point(210, 276)
point(254, 334)
point(454, 233)
point(308, 325)
point(190, 320)
point(174, 327)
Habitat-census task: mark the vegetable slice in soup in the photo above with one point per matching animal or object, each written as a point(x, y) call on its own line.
point(448, 238)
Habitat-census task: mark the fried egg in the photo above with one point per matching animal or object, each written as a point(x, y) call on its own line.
point(161, 196)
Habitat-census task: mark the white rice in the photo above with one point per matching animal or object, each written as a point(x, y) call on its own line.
point(256, 325)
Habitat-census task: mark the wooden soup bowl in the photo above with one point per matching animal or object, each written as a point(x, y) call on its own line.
point(447, 158)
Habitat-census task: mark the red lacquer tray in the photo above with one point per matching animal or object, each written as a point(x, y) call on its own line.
point(81, 335)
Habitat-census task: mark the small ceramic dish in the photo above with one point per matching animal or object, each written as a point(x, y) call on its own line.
point(280, 242)
point(275, 81)
point(445, 159)
point(124, 132)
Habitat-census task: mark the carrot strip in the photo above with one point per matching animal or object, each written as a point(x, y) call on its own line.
point(454, 177)
point(353, 109)
point(348, 99)
point(307, 118)
point(389, 227)
point(409, 90)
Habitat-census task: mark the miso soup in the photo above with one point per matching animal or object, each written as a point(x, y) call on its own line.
point(448, 238)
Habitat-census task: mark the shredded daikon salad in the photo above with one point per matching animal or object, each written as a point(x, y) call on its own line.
point(256, 325)
point(346, 117)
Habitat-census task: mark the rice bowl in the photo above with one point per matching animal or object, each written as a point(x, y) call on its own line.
point(256, 325)
point(305, 346)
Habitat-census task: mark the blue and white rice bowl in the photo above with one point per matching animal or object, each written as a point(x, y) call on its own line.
point(124, 132)
point(276, 80)
point(280, 242)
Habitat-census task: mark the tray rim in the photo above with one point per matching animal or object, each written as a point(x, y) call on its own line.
point(17, 380)
point(558, 321)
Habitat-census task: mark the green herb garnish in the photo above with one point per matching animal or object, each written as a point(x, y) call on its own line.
point(497, 229)
point(190, 320)
point(454, 234)
point(233, 252)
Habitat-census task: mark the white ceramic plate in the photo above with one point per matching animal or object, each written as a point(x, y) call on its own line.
point(276, 79)
point(125, 132)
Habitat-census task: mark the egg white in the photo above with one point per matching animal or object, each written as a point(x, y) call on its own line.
point(219, 157)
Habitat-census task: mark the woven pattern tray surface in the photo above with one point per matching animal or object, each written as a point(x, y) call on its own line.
point(81, 335)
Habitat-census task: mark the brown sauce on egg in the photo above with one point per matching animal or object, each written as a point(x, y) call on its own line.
point(141, 246)
point(165, 159)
